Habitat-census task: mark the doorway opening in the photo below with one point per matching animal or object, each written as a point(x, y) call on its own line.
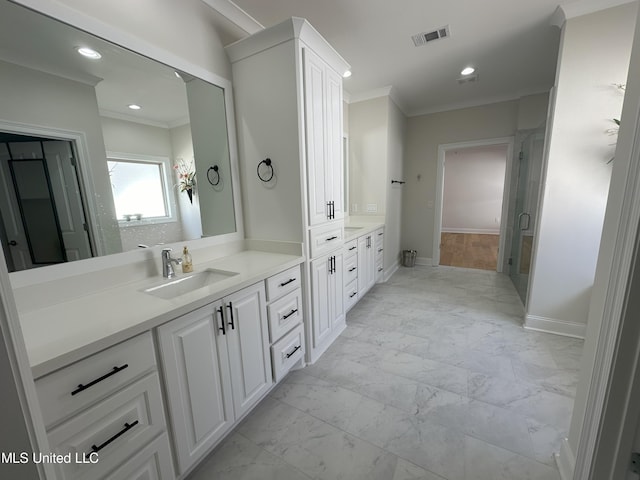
point(471, 203)
point(42, 214)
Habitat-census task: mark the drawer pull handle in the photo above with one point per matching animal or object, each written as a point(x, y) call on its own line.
point(289, 355)
point(352, 269)
point(289, 314)
point(230, 307)
point(353, 248)
point(353, 294)
point(380, 269)
point(331, 238)
point(127, 427)
point(221, 312)
point(379, 250)
point(115, 370)
point(287, 282)
point(380, 234)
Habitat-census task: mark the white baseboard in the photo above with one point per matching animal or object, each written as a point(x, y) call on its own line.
point(390, 271)
point(480, 231)
point(566, 461)
point(424, 261)
point(558, 327)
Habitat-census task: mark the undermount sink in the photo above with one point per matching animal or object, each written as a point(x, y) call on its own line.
point(175, 287)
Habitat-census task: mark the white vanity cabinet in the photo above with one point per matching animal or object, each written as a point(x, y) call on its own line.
point(327, 296)
point(108, 406)
point(288, 98)
point(366, 263)
point(216, 367)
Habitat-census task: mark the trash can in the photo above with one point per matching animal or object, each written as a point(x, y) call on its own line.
point(409, 258)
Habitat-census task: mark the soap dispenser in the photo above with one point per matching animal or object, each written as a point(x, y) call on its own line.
point(187, 262)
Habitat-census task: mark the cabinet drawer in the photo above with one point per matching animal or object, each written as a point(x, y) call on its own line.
point(153, 462)
point(326, 238)
point(61, 394)
point(350, 268)
point(351, 295)
point(351, 247)
point(284, 314)
point(118, 426)
point(287, 351)
point(283, 283)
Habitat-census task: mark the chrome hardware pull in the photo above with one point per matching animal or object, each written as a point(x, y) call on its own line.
point(115, 370)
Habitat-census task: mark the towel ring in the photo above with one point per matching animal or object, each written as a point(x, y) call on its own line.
point(216, 172)
point(267, 162)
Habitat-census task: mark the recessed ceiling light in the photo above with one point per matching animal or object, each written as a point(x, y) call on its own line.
point(468, 71)
point(89, 53)
point(133, 106)
point(347, 74)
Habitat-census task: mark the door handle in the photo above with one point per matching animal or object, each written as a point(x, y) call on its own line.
point(232, 322)
point(13, 243)
point(523, 214)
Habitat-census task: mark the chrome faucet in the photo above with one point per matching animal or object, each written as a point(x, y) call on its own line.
point(167, 261)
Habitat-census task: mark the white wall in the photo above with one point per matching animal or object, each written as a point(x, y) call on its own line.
point(70, 106)
point(473, 188)
point(577, 173)
point(129, 137)
point(424, 134)
point(189, 212)
point(368, 150)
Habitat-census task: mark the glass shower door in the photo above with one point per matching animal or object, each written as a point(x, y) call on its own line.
point(526, 209)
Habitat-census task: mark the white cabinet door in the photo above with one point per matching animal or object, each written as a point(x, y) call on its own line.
point(320, 298)
point(327, 291)
point(366, 264)
point(248, 341)
point(314, 99)
point(196, 370)
point(333, 168)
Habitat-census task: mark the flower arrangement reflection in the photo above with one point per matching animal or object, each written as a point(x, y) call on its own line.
point(186, 172)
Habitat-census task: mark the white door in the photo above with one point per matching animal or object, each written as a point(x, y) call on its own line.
point(196, 370)
point(315, 124)
point(248, 341)
point(68, 200)
point(321, 299)
point(16, 240)
point(333, 167)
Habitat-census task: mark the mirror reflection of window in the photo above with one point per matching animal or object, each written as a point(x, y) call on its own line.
point(139, 190)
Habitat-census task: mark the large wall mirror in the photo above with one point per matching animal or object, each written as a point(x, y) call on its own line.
point(104, 152)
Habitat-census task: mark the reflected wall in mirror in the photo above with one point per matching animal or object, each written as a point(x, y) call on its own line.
point(83, 173)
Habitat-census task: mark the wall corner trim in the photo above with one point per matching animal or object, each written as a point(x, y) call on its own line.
point(555, 326)
point(235, 15)
point(565, 460)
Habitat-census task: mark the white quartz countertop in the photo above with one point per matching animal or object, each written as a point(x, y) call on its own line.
point(354, 228)
point(60, 334)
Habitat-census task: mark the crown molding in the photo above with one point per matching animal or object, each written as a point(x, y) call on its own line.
point(235, 15)
point(578, 8)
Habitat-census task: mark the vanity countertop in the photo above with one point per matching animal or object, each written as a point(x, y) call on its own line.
point(63, 333)
point(354, 228)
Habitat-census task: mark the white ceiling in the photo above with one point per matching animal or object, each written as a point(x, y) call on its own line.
point(511, 43)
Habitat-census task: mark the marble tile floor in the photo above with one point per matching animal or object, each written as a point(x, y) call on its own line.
point(434, 378)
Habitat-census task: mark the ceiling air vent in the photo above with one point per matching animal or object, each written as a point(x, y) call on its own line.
point(468, 79)
point(426, 37)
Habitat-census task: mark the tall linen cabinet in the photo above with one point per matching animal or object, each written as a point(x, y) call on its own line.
point(288, 100)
